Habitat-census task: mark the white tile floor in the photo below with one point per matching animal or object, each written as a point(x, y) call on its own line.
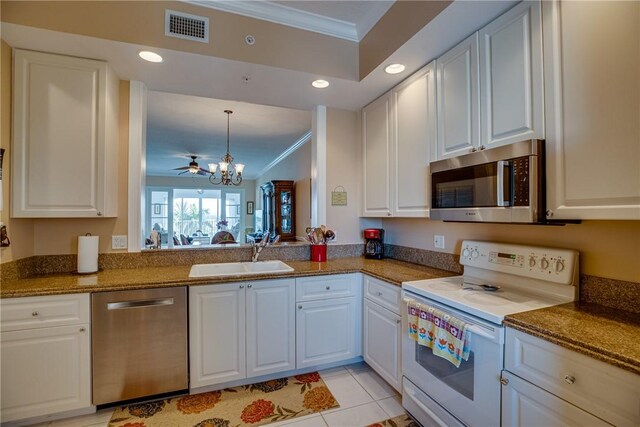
point(363, 396)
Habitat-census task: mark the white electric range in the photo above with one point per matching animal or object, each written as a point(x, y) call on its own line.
point(499, 279)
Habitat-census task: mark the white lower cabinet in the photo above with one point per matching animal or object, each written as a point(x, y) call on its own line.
point(240, 330)
point(328, 327)
point(382, 330)
point(525, 405)
point(45, 370)
point(381, 342)
point(550, 385)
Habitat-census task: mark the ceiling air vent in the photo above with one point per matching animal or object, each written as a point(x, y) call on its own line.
point(185, 26)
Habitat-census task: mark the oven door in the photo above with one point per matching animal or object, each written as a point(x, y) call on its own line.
point(471, 392)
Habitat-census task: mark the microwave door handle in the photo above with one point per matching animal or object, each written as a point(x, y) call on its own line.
point(501, 165)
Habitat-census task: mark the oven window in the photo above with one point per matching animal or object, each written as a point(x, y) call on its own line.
point(460, 379)
point(469, 187)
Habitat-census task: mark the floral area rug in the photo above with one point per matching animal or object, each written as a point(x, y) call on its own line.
point(249, 405)
point(400, 421)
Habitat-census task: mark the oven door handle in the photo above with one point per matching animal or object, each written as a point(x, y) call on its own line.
point(411, 394)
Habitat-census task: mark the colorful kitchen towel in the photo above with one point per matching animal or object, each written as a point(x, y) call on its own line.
point(445, 335)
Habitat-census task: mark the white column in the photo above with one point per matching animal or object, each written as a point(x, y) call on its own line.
point(137, 163)
point(319, 166)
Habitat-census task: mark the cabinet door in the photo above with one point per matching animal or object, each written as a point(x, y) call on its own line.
point(381, 342)
point(326, 331)
point(458, 99)
point(216, 334)
point(414, 139)
point(376, 147)
point(525, 405)
point(592, 118)
point(270, 327)
point(45, 370)
point(64, 128)
point(511, 89)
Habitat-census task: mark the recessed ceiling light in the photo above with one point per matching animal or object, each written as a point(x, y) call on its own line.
point(150, 56)
point(394, 68)
point(320, 84)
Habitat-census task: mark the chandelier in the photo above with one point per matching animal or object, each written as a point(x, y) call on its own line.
point(230, 174)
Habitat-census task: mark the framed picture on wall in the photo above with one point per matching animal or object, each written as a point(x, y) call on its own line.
point(249, 208)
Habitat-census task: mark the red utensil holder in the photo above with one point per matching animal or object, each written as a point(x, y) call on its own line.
point(319, 253)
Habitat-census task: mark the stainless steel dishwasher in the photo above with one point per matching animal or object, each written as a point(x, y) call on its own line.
point(139, 343)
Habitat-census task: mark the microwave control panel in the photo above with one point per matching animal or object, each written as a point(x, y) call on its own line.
point(520, 181)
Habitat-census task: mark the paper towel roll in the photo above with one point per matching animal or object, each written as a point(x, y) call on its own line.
point(88, 254)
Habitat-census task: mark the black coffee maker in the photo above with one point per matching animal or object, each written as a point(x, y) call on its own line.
point(374, 243)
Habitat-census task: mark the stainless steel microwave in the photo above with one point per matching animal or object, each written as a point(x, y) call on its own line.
point(503, 184)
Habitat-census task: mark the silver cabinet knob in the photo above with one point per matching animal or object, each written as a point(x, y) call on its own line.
point(35, 314)
point(99, 213)
point(549, 213)
point(83, 329)
point(504, 381)
point(389, 214)
point(299, 307)
point(249, 285)
point(398, 321)
point(379, 293)
point(241, 286)
point(328, 288)
point(569, 379)
point(481, 147)
point(473, 150)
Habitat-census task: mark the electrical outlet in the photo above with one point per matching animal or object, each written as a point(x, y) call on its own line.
point(438, 241)
point(118, 242)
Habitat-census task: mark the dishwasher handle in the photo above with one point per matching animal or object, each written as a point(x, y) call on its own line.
point(155, 302)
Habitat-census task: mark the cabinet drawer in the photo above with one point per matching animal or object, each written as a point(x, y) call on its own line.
point(383, 293)
point(323, 287)
point(604, 390)
point(38, 312)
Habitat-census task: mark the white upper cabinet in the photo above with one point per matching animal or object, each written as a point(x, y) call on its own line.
point(592, 95)
point(511, 88)
point(376, 150)
point(65, 137)
point(399, 132)
point(414, 110)
point(458, 99)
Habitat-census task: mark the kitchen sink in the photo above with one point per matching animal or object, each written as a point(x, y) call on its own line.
point(239, 269)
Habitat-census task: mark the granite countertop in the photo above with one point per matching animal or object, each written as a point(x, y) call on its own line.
point(390, 270)
point(606, 334)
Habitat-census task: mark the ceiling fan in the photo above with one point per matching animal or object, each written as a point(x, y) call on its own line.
point(193, 168)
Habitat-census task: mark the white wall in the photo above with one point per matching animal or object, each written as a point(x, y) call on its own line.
point(343, 169)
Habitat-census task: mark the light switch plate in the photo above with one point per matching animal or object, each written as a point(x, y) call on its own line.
point(118, 242)
point(438, 241)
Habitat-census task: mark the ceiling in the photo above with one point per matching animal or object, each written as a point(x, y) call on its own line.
point(225, 79)
point(180, 125)
point(347, 19)
point(267, 101)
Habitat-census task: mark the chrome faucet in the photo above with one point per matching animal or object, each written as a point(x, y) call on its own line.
point(266, 241)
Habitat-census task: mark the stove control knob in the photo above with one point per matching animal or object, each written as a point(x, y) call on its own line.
point(465, 252)
point(532, 261)
point(544, 263)
point(559, 266)
point(474, 254)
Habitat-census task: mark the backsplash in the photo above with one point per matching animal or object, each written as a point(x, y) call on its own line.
point(60, 264)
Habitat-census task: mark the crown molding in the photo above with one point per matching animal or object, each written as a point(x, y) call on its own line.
point(285, 15)
point(286, 153)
